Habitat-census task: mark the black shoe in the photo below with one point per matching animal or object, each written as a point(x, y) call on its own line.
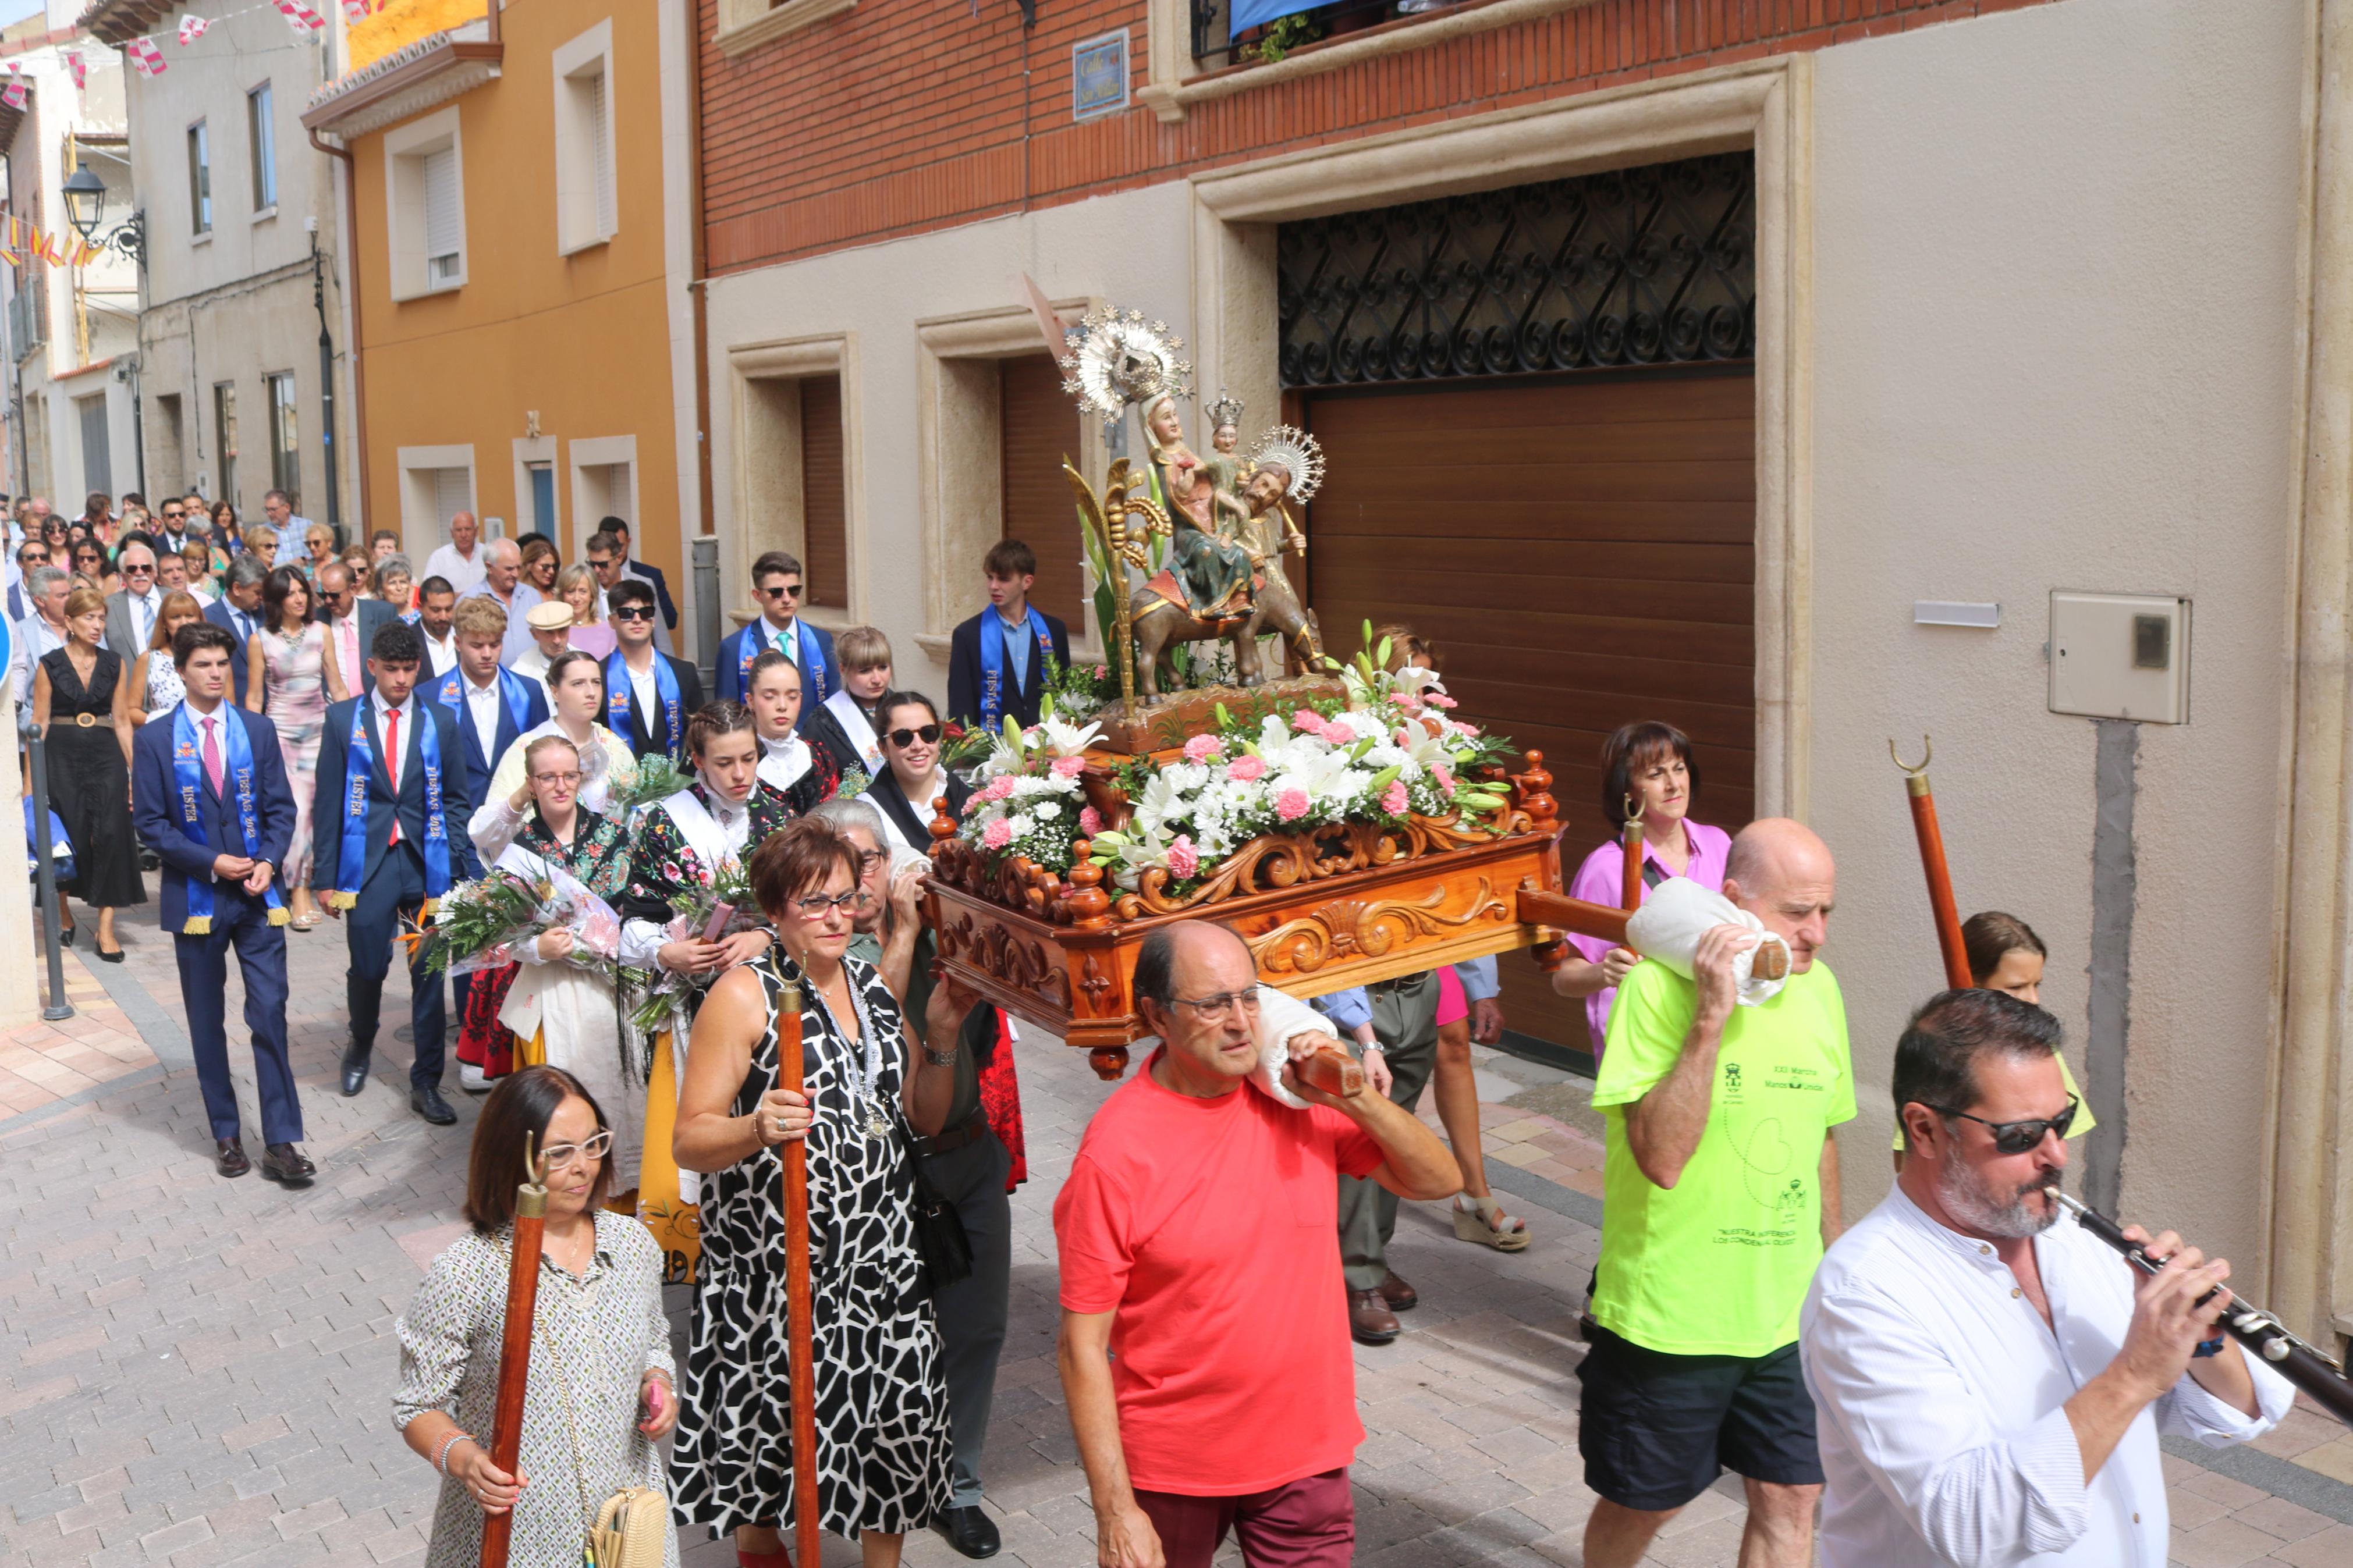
point(429, 1103)
point(228, 1157)
point(66, 935)
point(106, 957)
point(971, 1532)
point(355, 1071)
point(284, 1163)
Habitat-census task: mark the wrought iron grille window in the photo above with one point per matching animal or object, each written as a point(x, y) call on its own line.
point(1649, 265)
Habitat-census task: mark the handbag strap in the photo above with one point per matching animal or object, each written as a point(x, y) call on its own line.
point(572, 1430)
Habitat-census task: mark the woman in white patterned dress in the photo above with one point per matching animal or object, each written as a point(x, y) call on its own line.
point(291, 675)
point(600, 1396)
point(880, 1403)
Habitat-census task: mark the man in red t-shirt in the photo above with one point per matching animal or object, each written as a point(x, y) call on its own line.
point(1205, 1349)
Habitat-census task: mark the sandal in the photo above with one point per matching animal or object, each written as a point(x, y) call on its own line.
point(306, 922)
point(1486, 1221)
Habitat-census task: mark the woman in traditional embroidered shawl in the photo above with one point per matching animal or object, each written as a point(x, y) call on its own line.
point(562, 1013)
point(677, 846)
point(804, 774)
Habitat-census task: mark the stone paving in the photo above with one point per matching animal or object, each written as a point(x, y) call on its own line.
point(196, 1372)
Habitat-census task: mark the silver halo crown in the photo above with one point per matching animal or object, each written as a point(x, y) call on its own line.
point(1225, 410)
point(1117, 358)
point(1298, 453)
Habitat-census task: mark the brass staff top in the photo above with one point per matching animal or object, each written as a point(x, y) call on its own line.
point(531, 1195)
point(788, 997)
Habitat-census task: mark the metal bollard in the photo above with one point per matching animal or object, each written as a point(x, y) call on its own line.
point(45, 872)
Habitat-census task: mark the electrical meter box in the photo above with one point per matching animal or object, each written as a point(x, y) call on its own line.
point(2120, 655)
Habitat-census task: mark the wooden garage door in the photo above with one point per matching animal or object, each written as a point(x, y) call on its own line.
point(1582, 553)
point(1038, 430)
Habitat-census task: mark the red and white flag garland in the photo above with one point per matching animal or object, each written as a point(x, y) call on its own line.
point(13, 95)
point(300, 17)
point(357, 10)
point(80, 69)
point(145, 57)
point(192, 28)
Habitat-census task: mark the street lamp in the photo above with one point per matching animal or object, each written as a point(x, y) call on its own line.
point(84, 196)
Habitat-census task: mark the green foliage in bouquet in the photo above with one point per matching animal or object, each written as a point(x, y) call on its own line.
point(657, 778)
point(474, 916)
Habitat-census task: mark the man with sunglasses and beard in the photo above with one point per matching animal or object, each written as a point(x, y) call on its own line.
point(1991, 1384)
point(776, 584)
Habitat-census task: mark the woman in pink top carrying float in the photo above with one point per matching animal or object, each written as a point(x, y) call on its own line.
point(1652, 763)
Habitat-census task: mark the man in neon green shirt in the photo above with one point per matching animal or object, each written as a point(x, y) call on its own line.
point(1721, 1189)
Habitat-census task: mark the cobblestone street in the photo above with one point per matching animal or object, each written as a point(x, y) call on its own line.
point(198, 1371)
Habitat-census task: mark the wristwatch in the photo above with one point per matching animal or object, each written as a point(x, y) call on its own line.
point(939, 1058)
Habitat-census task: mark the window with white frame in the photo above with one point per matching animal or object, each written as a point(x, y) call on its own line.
point(588, 205)
point(262, 143)
point(200, 180)
point(425, 189)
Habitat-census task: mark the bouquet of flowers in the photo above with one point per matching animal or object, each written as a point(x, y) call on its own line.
point(479, 924)
point(657, 779)
point(711, 904)
point(1389, 750)
point(1081, 689)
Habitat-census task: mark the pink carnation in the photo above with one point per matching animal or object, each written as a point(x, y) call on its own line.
point(1069, 767)
point(1202, 748)
point(1444, 775)
point(1440, 699)
point(1338, 733)
point(1291, 805)
point(1307, 721)
point(1394, 800)
point(999, 788)
point(1409, 700)
point(1102, 673)
point(1246, 769)
point(1090, 821)
point(1183, 859)
point(997, 834)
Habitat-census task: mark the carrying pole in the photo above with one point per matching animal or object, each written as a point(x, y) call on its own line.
point(799, 1325)
point(515, 1344)
point(1932, 861)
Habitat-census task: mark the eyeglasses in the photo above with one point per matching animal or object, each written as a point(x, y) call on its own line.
point(927, 735)
point(565, 1153)
point(1224, 1002)
point(2018, 1137)
point(816, 906)
point(633, 613)
point(869, 859)
point(132, 569)
point(554, 780)
point(174, 516)
point(787, 591)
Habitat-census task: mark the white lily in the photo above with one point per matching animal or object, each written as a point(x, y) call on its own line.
point(1062, 739)
point(1128, 854)
point(1161, 801)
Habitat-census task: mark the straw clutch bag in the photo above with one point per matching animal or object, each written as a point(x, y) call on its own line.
point(629, 1530)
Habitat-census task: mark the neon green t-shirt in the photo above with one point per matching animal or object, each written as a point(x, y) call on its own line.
point(1718, 1265)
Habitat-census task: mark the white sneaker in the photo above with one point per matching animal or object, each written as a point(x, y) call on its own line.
point(472, 1079)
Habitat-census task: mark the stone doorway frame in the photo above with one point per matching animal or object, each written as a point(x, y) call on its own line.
point(1763, 106)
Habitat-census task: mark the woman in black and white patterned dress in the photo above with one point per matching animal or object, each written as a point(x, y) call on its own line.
point(881, 1405)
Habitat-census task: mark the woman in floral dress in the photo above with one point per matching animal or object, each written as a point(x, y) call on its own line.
point(291, 678)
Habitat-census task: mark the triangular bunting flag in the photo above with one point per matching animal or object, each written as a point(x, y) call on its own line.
point(300, 17)
point(80, 69)
point(13, 95)
point(144, 57)
point(355, 11)
point(192, 28)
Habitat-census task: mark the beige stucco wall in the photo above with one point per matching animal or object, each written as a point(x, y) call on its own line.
point(2054, 295)
point(1133, 249)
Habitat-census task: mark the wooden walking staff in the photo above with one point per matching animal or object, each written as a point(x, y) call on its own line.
point(799, 1324)
point(515, 1344)
point(1629, 838)
point(1932, 861)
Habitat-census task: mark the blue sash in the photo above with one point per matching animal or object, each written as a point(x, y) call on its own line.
point(351, 866)
point(992, 661)
point(514, 696)
point(811, 661)
point(619, 695)
point(188, 782)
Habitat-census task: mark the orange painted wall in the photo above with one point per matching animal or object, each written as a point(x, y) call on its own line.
point(581, 339)
point(892, 118)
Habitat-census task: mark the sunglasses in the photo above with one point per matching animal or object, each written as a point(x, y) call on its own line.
point(2018, 1137)
point(633, 613)
point(135, 571)
point(788, 591)
point(927, 735)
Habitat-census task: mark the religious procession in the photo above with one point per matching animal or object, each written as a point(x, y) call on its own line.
point(1361, 783)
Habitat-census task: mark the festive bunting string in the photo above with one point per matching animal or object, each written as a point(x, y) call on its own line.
point(20, 242)
point(80, 69)
point(192, 28)
point(300, 17)
point(145, 57)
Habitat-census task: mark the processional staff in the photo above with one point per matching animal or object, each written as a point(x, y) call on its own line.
point(1629, 838)
point(1932, 861)
point(799, 1325)
point(515, 1343)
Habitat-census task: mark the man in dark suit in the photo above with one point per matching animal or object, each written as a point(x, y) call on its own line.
point(31, 556)
point(133, 610)
point(641, 679)
point(997, 660)
point(492, 705)
point(217, 881)
point(653, 574)
point(402, 865)
point(351, 622)
point(238, 610)
point(777, 584)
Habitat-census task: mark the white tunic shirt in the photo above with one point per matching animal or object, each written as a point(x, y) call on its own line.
point(1938, 1391)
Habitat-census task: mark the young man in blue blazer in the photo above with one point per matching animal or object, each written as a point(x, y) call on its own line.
point(997, 660)
point(393, 799)
point(649, 695)
point(492, 707)
point(776, 584)
point(210, 792)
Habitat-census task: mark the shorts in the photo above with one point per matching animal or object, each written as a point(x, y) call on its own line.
point(1657, 1429)
point(1452, 1006)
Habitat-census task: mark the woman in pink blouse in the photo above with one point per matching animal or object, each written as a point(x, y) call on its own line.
point(1651, 762)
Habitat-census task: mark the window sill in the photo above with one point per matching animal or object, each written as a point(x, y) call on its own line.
point(196, 239)
point(262, 214)
point(788, 18)
point(590, 244)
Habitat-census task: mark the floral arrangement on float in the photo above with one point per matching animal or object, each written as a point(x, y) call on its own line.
point(1381, 771)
